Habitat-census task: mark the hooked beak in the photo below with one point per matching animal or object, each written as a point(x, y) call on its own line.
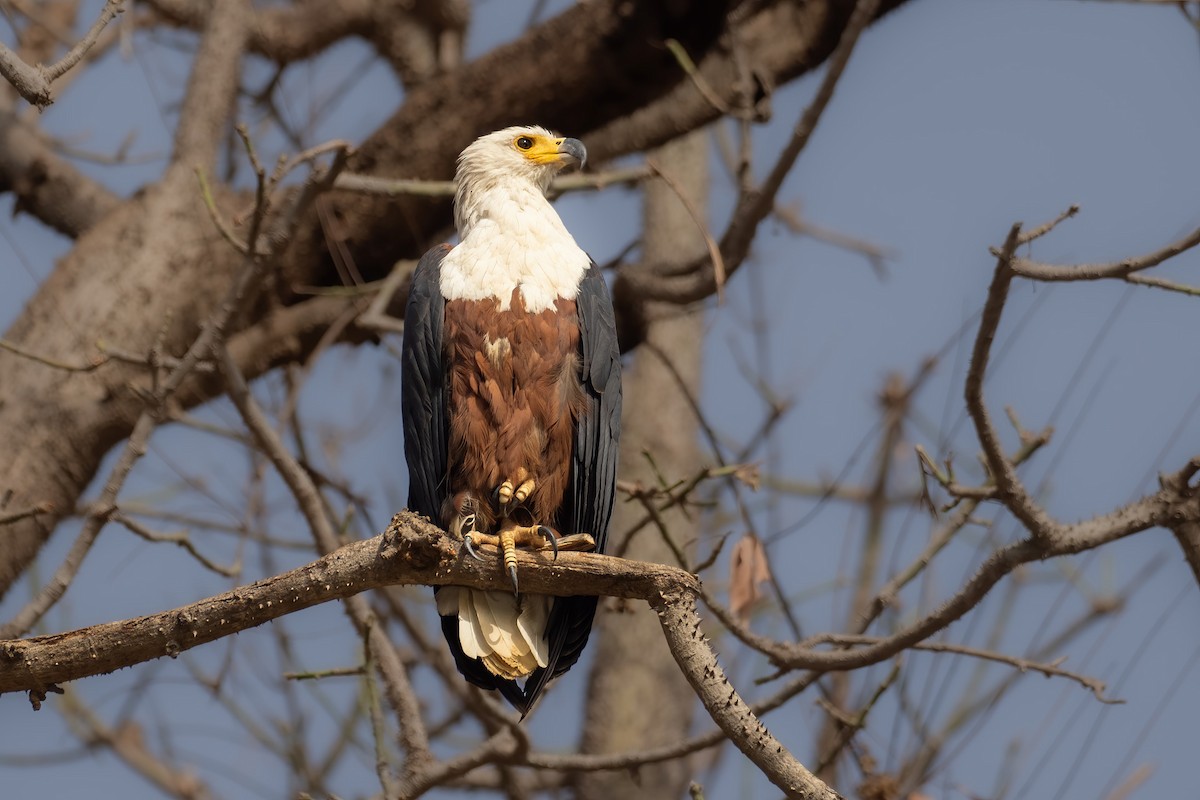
point(572, 153)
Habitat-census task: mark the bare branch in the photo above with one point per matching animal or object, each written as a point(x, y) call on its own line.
point(396, 683)
point(56, 70)
point(45, 185)
point(681, 624)
point(1052, 670)
point(411, 551)
point(756, 204)
point(212, 85)
point(34, 82)
point(395, 187)
point(1123, 269)
point(1009, 488)
point(182, 540)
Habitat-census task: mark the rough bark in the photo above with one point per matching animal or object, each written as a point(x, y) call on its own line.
point(646, 700)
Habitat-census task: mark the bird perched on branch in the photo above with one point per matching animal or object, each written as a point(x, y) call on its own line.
point(512, 405)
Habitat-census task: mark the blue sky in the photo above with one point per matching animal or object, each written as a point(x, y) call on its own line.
point(953, 121)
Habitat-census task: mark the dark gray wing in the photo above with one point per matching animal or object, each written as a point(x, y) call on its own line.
point(423, 388)
point(587, 506)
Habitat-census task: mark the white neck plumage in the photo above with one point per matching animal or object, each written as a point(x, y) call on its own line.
point(511, 237)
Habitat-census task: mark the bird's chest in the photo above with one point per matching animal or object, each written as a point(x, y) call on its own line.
point(509, 357)
point(541, 267)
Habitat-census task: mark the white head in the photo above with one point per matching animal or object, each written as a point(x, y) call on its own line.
point(511, 237)
point(511, 160)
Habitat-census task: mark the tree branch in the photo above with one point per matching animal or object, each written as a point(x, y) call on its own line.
point(212, 85)
point(46, 186)
point(411, 551)
point(34, 82)
point(1009, 488)
point(681, 624)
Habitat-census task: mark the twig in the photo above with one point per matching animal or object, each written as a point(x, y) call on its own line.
point(1122, 269)
point(1127, 787)
point(18, 350)
point(875, 255)
point(56, 70)
point(689, 67)
point(376, 316)
point(714, 250)
point(25, 513)
point(1046, 227)
point(1094, 685)
point(181, 539)
point(399, 689)
point(851, 725)
point(33, 83)
point(394, 187)
point(1009, 488)
point(337, 672)
point(755, 204)
point(939, 539)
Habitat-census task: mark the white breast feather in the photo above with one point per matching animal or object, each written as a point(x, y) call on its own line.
point(513, 239)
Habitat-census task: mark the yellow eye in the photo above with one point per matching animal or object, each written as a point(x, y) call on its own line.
point(524, 142)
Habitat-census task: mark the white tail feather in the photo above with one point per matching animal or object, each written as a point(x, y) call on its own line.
point(507, 635)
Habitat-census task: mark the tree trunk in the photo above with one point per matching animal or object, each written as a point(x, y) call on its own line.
point(638, 698)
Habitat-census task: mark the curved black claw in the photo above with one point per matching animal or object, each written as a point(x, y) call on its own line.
point(549, 534)
point(471, 548)
point(512, 572)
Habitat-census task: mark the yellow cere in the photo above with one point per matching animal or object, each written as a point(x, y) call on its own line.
point(539, 149)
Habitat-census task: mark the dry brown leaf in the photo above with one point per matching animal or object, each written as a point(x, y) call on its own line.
point(748, 570)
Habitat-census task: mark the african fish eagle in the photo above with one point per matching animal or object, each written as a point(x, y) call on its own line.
point(512, 405)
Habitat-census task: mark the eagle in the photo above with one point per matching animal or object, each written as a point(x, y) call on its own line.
point(511, 400)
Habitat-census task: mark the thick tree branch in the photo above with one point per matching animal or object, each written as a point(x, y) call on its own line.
point(212, 85)
point(45, 185)
point(411, 551)
point(768, 45)
point(282, 33)
point(681, 624)
point(419, 39)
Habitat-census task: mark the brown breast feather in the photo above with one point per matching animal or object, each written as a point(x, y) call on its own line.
point(513, 401)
